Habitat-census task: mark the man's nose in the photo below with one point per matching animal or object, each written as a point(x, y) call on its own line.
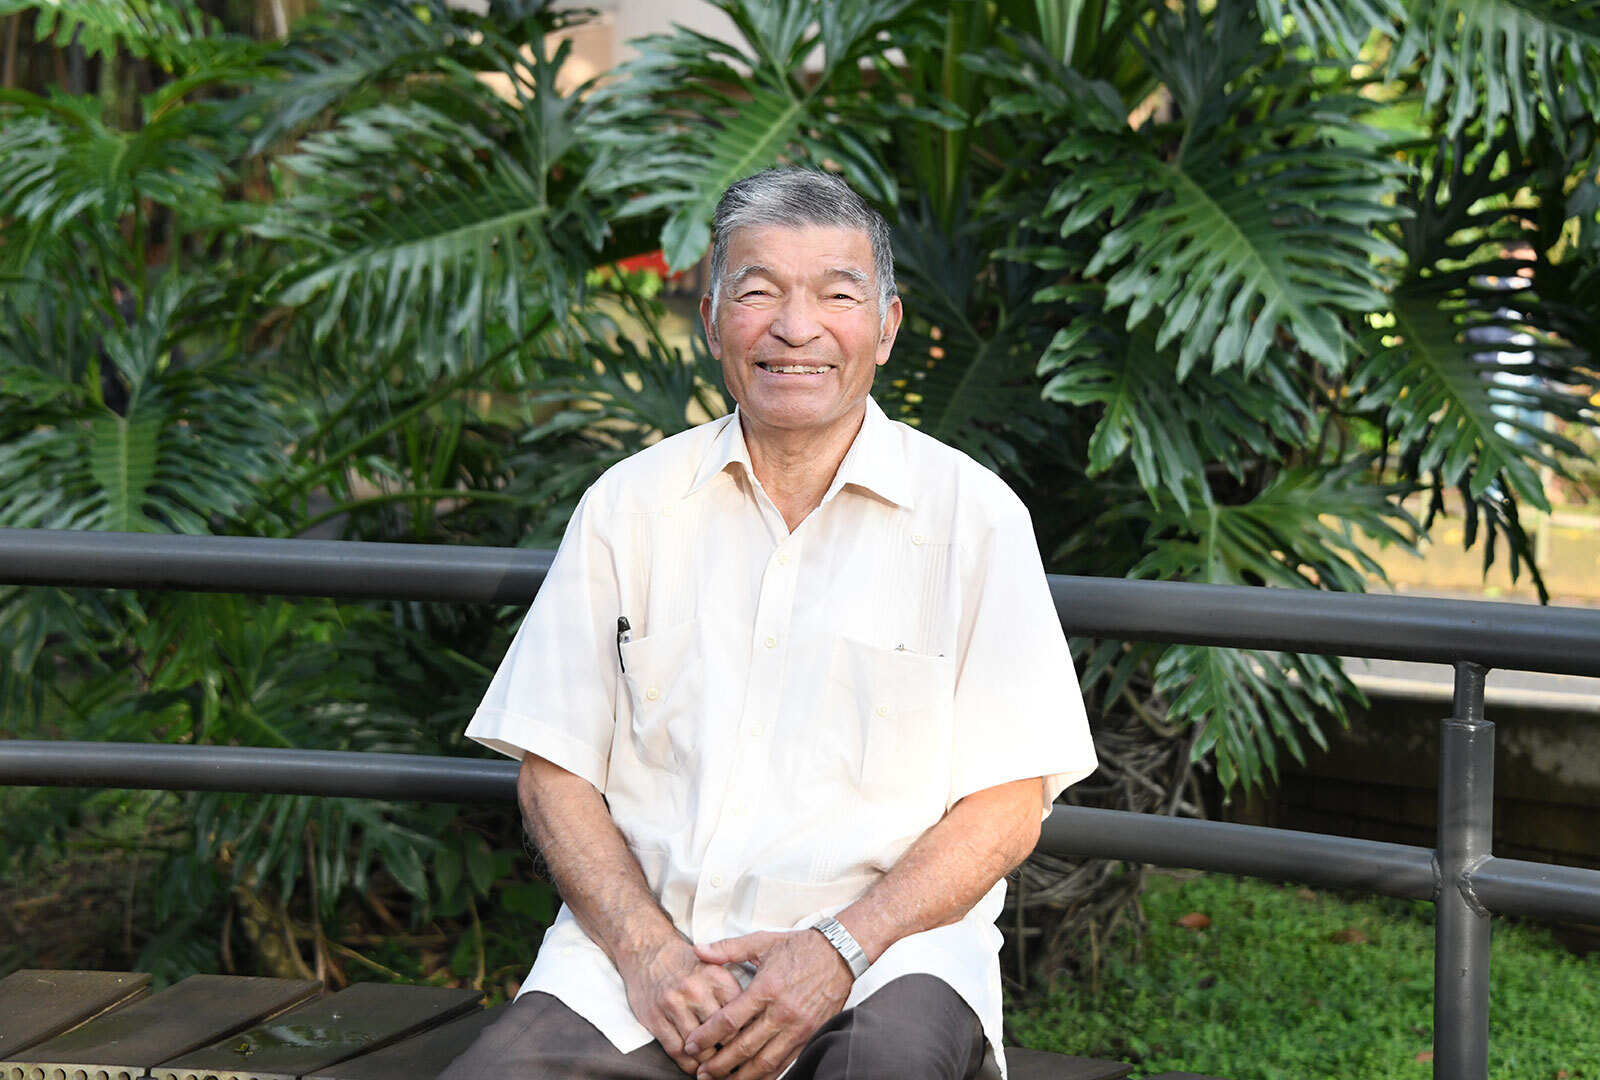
point(795, 322)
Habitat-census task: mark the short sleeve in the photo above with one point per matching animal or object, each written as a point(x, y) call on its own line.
point(554, 694)
point(1018, 708)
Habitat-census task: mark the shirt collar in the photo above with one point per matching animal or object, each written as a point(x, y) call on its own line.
point(875, 461)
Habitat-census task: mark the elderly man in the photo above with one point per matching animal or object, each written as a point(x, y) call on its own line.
point(791, 703)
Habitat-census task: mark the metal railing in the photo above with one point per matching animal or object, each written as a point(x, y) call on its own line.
point(1460, 876)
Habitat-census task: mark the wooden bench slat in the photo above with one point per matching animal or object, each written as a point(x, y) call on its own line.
point(199, 1010)
point(367, 1016)
point(1041, 1065)
point(36, 1005)
point(423, 1055)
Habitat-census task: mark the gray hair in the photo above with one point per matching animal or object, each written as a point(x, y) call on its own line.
point(788, 198)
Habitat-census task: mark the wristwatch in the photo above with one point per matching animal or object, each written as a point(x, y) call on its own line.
point(840, 939)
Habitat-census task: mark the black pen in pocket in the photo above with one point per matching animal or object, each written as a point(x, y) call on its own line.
point(624, 635)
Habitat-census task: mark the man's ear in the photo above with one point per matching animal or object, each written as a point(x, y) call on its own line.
point(711, 327)
point(891, 327)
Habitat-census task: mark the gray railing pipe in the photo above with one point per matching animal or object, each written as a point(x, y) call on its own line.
point(1332, 862)
point(1517, 636)
point(1335, 862)
point(256, 770)
point(1538, 890)
point(1461, 927)
point(347, 569)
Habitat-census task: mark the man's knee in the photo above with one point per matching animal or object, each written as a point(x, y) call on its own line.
point(916, 1025)
point(496, 1044)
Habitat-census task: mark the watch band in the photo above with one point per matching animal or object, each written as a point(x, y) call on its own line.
point(840, 939)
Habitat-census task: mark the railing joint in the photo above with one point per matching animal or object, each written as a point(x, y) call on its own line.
point(1468, 888)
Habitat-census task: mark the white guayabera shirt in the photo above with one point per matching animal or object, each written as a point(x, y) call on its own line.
point(794, 709)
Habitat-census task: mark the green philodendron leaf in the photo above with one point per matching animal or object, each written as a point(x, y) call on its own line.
point(1342, 26)
point(122, 461)
point(749, 141)
point(64, 172)
point(694, 114)
point(1447, 396)
point(1258, 225)
point(1248, 702)
point(1485, 60)
point(963, 364)
point(1300, 531)
point(446, 216)
point(168, 31)
point(1471, 358)
point(1169, 428)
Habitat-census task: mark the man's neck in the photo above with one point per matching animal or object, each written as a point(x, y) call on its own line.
point(795, 468)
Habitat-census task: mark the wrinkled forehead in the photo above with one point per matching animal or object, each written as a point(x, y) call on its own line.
point(824, 251)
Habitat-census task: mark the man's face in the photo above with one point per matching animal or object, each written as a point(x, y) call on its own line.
point(798, 329)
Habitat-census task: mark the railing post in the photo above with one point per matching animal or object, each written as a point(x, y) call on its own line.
point(1461, 933)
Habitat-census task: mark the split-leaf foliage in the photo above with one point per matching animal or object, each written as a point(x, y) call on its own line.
point(1215, 286)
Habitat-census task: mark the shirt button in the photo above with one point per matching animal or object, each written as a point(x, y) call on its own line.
point(756, 730)
point(772, 642)
point(666, 511)
point(783, 558)
point(566, 950)
point(652, 694)
point(916, 538)
point(883, 710)
point(740, 809)
point(716, 881)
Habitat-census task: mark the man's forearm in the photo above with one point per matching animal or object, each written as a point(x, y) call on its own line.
point(949, 869)
point(669, 989)
point(598, 877)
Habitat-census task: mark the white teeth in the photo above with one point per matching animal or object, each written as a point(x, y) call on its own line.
point(795, 369)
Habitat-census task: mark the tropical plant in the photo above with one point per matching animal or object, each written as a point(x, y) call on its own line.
point(308, 288)
point(1216, 286)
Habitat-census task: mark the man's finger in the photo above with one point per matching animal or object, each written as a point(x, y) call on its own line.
point(736, 950)
point(727, 1022)
point(738, 1053)
point(664, 1028)
point(681, 1015)
point(724, 987)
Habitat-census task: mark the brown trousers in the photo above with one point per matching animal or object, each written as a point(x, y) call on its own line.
point(915, 1028)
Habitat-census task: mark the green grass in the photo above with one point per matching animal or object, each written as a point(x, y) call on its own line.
point(1291, 984)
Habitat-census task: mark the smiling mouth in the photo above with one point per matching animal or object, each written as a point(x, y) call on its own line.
point(796, 369)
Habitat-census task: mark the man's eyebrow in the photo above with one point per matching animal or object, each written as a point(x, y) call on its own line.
point(745, 272)
point(849, 273)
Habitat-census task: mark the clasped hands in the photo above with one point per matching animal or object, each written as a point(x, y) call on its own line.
point(687, 998)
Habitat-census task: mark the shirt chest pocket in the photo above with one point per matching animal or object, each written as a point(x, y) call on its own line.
point(896, 709)
point(665, 675)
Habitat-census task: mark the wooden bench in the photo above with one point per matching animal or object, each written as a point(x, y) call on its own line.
point(90, 1025)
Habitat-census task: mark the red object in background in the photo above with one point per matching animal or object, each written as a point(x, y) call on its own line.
point(652, 260)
